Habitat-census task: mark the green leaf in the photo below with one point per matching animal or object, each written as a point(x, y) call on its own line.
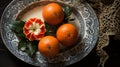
point(22, 45)
point(67, 12)
point(51, 30)
point(21, 35)
point(17, 26)
point(30, 47)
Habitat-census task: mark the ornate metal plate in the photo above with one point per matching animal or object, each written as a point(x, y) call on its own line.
point(87, 25)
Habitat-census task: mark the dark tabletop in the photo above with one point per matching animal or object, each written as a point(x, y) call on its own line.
point(9, 60)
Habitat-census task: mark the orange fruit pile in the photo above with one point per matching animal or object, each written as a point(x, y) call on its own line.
point(66, 34)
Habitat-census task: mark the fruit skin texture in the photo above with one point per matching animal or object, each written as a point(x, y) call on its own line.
point(53, 14)
point(49, 46)
point(67, 34)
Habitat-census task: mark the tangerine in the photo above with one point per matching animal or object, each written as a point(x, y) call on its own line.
point(53, 13)
point(67, 34)
point(49, 46)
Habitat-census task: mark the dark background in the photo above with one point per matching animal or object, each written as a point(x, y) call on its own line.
point(9, 60)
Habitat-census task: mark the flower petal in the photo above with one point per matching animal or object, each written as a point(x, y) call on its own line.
point(34, 29)
point(32, 37)
point(39, 36)
point(28, 35)
point(25, 31)
point(27, 24)
point(33, 19)
point(43, 30)
point(39, 21)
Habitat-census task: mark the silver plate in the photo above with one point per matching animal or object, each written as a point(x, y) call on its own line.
point(87, 25)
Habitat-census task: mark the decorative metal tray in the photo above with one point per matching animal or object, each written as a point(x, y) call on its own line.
point(86, 22)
